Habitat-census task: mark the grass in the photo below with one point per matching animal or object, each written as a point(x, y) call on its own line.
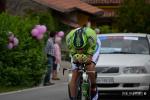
point(9, 89)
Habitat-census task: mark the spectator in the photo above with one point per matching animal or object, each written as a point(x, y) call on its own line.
point(57, 48)
point(49, 50)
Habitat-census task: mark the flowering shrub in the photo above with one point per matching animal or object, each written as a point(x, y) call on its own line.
point(38, 31)
point(23, 65)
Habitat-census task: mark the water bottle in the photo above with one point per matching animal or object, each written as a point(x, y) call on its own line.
point(85, 87)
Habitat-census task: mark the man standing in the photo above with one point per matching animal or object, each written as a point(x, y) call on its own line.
point(49, 50)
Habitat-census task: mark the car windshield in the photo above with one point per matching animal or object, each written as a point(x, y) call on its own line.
point(124, 45)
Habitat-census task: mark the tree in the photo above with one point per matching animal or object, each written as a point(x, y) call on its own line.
point(134, 16)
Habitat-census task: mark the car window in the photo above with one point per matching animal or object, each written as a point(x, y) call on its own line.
point(124, 45)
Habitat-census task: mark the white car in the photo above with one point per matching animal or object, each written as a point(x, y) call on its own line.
point(123, 66)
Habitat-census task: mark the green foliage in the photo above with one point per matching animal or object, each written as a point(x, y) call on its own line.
point(23, 65)
point(11, 88)
point(53, 24)
point(45, 18)
point(134, 16)
point(107, 29)
point(63, 27)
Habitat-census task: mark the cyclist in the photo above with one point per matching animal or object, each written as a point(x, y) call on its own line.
point(83, 41)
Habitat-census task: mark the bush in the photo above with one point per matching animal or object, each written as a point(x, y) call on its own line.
point(134, 16)
point(107, 29)
point(23, 65)
point(45, 18)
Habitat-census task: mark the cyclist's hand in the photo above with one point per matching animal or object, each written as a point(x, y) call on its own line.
point(81, 58)
point(89, 59)
point(76, 58)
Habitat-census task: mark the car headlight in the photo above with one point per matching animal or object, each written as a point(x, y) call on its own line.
point(134, 70)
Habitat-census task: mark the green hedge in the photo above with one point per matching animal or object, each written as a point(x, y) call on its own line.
point(25, 64)
point(108, 29)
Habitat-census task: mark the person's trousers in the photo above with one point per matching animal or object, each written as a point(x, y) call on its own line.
point(49, 69)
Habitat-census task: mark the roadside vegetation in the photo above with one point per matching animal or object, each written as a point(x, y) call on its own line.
point(107, 29)
point(4, 89)
point(133, 16)
point(24, 65)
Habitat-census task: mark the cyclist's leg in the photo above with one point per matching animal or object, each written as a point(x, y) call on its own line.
point(92, 75)
point(94, 92)
point(73, 83)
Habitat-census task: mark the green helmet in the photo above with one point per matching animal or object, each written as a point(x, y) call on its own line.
point(79, 38)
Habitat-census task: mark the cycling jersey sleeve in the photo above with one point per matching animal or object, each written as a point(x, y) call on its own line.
point(97, 51)
point(92, 38)
point(69, 42)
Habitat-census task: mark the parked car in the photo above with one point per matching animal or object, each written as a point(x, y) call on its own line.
point(123, 67)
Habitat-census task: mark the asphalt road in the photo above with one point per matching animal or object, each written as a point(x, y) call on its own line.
point(54, 92)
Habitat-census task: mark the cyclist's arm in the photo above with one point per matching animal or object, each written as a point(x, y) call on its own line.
point(97, 51)
point(70, 43)
point(92, 38)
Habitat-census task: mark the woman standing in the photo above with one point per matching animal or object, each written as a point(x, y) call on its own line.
point(57, 49)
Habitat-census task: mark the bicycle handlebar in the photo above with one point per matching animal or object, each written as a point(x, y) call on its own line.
point(64, 69)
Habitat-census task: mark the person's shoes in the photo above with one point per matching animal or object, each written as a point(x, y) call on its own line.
point(48, 84)
point(94, 95)
point(55, 78)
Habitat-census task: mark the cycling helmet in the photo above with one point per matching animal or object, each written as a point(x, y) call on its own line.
point(79, 38)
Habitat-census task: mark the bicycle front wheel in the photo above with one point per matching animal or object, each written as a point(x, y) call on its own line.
point(86, 92)
point(79, 89)
point(81, 93)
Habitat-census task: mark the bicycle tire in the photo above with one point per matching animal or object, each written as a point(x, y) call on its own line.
point(79, 88)
point(79, 91)
point(88, 91)
point(84, 97)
